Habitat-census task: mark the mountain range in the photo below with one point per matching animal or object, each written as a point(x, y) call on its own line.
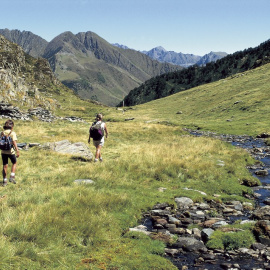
point(173, 82)
point(90, 65)
point(180, 59)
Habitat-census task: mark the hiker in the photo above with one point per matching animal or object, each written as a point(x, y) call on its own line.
point(96, 132)
point(11, 154)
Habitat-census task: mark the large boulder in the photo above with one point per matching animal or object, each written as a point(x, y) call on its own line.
point(78, 149)
point(262, 213)
point(183, 202)
point(190, 244)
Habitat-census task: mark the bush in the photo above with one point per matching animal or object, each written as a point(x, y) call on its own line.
point(230, 240)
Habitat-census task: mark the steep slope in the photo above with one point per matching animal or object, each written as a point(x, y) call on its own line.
point(97, 70)
point(174, 82)
point(32, 44)
point(27, 83)
point(24, 78)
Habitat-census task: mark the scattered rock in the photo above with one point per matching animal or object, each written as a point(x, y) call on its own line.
point(206, 233)
point(263, 135)
point(262, 213)
point(219, 224)
point(140, 229)
point(190, 244)
point(129, 119)
point(183, 202)
point(84, 181)
point(261, 172)
point(78, 150)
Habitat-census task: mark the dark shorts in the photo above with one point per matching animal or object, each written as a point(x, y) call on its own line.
point(5, 158)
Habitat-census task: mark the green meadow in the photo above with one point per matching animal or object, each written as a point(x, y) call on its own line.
point(236, 105)
point(49, 222)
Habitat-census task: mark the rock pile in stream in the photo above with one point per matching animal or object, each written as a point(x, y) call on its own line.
point(166, 222)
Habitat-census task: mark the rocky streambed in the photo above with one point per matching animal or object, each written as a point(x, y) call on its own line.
point(187, 228)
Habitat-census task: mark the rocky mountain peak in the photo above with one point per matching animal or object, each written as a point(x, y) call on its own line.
point(23, 77)
point(31, 43)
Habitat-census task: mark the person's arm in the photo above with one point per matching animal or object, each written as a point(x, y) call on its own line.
point(106, 131)
point(16, 148)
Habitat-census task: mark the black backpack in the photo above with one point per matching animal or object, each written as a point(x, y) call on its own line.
point(6, 142)
point(96, 132)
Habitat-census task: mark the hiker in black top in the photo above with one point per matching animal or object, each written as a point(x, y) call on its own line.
point(98, 143)
point(11, 154)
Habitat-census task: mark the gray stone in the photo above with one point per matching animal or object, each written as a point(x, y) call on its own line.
point(204, 206)
point(190, 244)
point(174, 220)
point(237, 205)
point(197, 233)
point(183, 202)
point(140, 229)
point(261, 172)
point(219, 224)
point(84, 181)
point(208, 256)
point(34, 144)
point(262, 213)
point(160, 212)
point(78, 149)
point(206, 233)
point(258, 246)
point(171, 252)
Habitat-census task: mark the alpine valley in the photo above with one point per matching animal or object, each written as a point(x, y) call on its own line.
point(97, 70)
point(200, 196)
point(90, 65)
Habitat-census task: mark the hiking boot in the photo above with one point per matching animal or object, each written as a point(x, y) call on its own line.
point(100, 159)
point(96, 160)
point(5, 182)
point(12, 180)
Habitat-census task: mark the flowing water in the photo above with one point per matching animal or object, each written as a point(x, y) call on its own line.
point(261, 152)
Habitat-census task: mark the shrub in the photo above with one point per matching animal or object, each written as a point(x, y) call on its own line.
point(230, 240)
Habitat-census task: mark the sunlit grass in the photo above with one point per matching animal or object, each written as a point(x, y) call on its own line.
point(49, 221)
point(235, 105)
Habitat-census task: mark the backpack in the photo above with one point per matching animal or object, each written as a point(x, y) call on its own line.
point(6, 142)
point(96, 131)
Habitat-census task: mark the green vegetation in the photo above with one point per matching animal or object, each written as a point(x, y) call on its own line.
point(177, 81)
point(48, 221)
point(236, 105)
point(232, 237)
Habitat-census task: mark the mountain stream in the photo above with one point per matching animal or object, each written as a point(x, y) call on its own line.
point(261, 152)
point(257, 257)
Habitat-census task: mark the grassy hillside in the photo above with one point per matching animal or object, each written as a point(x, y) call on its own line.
point(97, 70)
point(236, 105)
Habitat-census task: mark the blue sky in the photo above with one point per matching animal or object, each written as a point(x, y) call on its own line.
point(187, 26)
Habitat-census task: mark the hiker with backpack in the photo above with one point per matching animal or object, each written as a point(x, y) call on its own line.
point(96, 132)
point(9, 150)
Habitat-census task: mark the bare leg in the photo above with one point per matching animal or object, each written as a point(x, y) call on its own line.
point(5, 168)
point(98, 151)
point(13, 168)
